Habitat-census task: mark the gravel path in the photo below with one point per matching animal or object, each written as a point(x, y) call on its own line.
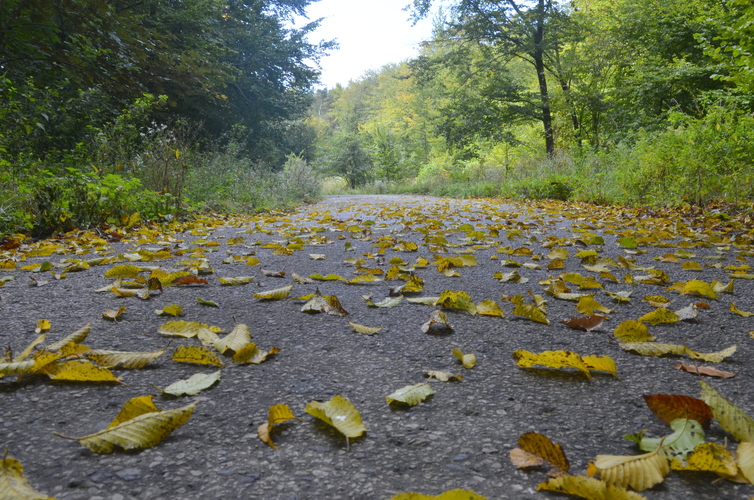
point(459, 438)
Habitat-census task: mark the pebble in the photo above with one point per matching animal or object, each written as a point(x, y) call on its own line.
point(129, 474)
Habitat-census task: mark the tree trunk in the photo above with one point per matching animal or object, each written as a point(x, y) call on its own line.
point(538, 57)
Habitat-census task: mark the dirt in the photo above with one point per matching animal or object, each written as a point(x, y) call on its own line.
point(459, 438)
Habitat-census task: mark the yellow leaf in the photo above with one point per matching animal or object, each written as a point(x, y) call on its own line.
point(365, 329)
point(364, 278)
point(442, 376)
point(489, 308)
point(276, 294)
point(144, 431)
point(698, 287)
point(79, 370)
point(531, 312)
point(587, 305)
point(558, 253)
point(660, 315)
point(447, 495)
point(196, 354)
point(329, 277)
point(535, 449)
point(588, 488)
point(16, 367)
point(457, 300)
point(13, 483)
point(276, 415)
point(132, 408)
point(179, 328)
point(29, 348)
point(731, 418)
point(741, 313)
point(387, 302)
point(240, 280)
point(468, 360)
point(745, 454)
point(653, 348)
point(43, 325)
point(633, 331)
point(708, 457)
point(551, 359)
point(193, 385)
point(127, 360)
point(411, 394)
point(250, 353)
point(237, 339)
point(113, 314)
point(124, 271)
point(174, 310)
point(600, 364)
point(339, 413)
point(640, 472)
point(690, 265)
point(712, 357)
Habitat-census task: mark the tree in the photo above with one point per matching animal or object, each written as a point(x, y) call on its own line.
point(515, 28)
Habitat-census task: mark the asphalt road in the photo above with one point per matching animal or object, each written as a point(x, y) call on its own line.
point(459, 438)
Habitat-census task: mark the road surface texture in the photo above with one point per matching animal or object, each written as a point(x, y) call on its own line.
point(460, 437)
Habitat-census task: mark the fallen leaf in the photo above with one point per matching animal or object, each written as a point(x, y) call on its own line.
point(437, 323)
point(180, 328)
point(277, 414)
point(368, 330)
point(276, 294)
point(710, 371)
point(586, 324)
point(238, 338)
point(339, 413)
point(551, 359)
point(731, 418)
point(113, 314)
point(531, 312)
point(193, 385)
point(708, 457)
point(536, 449)
point(660, 315)
point(669, 407)
point(457, 300)
point(447, 495)
point(588, 488)
point(744, 314)
point(13, 483)
point(489, 308)
point(411, 394)
point(640, 472)
point(196, 354)
point(250, 353)
point(633, 331)
point(78, 370)
point(387, 302)
point(125, 360)
point(140, 432)
point(442, 376)
point(587, 305)
point(467, 360)
point(239, 280)
point(208, 303)
point(688, 434)
point(43, 325)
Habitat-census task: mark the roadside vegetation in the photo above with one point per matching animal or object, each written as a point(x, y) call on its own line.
point(639, 102)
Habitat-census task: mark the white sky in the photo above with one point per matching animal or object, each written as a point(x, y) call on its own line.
point(371, 33)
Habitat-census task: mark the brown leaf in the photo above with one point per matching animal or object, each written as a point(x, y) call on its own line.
point(669, 407)
point(586, 324)
point(710, 371)
point(190, 280)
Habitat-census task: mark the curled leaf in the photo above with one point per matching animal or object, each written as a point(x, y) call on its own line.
point(192, 385)
point(467, 360)
point(411, 394)
point(536, 449)
point(276, 415)
point(640, 472)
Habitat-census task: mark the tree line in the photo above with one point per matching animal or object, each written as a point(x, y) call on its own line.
point(632, 101)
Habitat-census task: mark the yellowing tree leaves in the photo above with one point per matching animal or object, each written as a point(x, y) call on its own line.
point(551, 359)
point(78, 370)
point(669, 407)
point(13, 483)
point(587, 305)
point(708, 457)
point(443, 376)
point(43, 325)
point(489, 308)
point(143, 431)
point(437, 323)
point(124, 271)
point(531, 312)
point(536, 449)
point(339, 413)
point(588, 488)
point(276, 415)
point(660, 315)
point(179, 328)
point(193, 385)
point(411, 394)
point(172, 310)
point(133, 408)
point(238, 280)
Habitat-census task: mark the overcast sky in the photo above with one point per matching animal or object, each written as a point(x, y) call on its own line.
point(371, 33)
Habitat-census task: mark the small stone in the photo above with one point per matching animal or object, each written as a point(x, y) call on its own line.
point(460, 457)
point(129, 474)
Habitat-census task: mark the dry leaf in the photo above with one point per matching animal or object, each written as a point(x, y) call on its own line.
point(113, 314)
point(143, 431)
point(437, 323)
point(368, 330)
point(126, 360)
point(276, 294)
point(237, 339)
point(196, 354)
point(277, 414)
point(467, 360)
point(411, 394)
point(586, 324)
point(447, 495)
point(13, 483)
point(535, 449)
point(339, 413)
point(633, 331)
point(193, 385)
point(442, 376)
point(670, 407)
point(710, 371)
point(588, 488)
point(250, 353)
point(640, 472)
point(730, 417)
